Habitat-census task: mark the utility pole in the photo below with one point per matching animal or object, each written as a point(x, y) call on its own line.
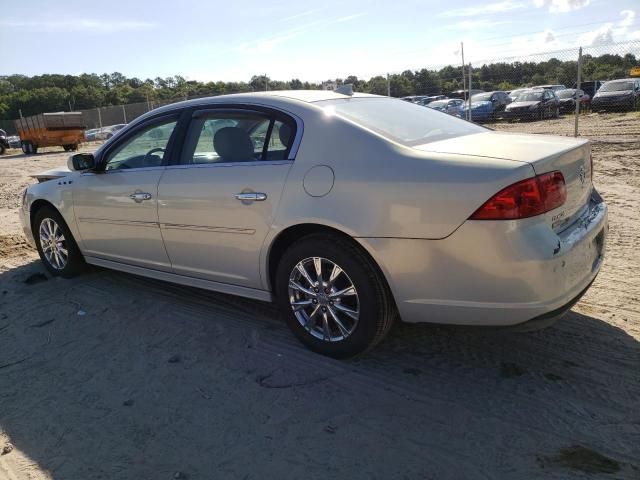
point(124, 114)
point(388, 85)
point(266, 83)
point(575, 127)
point(99, 118)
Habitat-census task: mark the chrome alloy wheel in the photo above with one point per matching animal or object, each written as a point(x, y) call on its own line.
point(53, 243)
point(323, 298)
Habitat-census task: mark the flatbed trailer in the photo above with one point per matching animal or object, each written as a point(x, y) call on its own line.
point(63, 129)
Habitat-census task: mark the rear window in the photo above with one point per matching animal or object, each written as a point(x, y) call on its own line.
point(405, 123)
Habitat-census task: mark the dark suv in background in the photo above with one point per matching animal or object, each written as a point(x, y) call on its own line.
point(589, 87)
point(617, 95)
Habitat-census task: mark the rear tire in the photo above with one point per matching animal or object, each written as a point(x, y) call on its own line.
point(334, 325)
point(2, 149)
point(56, 246)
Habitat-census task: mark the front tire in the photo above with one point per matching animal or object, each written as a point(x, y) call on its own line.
point(56, 246)
point(333, 296)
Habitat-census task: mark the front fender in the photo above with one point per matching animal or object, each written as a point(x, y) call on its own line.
point(58, 193)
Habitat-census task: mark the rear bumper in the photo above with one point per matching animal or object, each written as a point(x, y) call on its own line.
point(494, 273)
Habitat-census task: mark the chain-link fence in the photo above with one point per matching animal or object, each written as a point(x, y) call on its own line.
point(567, 85)
point(560, 84)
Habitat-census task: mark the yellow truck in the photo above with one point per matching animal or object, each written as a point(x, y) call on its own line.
point(63, 129)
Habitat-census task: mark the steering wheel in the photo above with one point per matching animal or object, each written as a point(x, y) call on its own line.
point(149, 153)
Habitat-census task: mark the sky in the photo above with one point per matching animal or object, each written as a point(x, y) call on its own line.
point(313, 41)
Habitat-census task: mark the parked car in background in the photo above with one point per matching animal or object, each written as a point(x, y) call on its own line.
point(452, 106)
point(432, 98)
point(513, 94)
point(554, 87)
point(590, 87)
point(568, 98)
point(623, 94)
point(315, 221)
point(108, 132)
point(90, 135)
point(464, 94)
point(487, 106)
point(534, 104)
point(4, 143)
point(14, 141)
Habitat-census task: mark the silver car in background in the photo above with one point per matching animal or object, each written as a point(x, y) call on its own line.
point(349, 210)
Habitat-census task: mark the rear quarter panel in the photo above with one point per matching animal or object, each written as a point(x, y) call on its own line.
point(382, 189)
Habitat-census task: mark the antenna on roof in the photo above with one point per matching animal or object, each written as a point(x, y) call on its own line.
point(345, 89)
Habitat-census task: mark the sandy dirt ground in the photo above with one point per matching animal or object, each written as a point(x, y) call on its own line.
point(113, 376)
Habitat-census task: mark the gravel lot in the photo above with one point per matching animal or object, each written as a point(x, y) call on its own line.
point(115, 376)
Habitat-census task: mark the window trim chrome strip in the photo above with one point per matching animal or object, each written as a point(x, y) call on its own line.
point(253, 163)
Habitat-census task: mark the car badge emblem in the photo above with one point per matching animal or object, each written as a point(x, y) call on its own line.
point(583, 175)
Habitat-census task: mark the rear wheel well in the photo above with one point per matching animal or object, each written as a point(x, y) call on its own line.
point(289, 236)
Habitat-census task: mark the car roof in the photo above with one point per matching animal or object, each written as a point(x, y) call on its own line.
point(296, 96)
point(621, 80)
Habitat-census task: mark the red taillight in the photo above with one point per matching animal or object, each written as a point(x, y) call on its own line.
point(524, 199)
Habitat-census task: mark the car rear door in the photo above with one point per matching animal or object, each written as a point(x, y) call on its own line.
point(116, 208)
point(217, 204)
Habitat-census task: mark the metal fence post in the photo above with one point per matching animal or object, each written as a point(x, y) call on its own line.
point(124, 114)
point(388, 85)
point(470, 112)
point(99, 117)
point(575, 127)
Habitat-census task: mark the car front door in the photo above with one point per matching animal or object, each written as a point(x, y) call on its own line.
point(116, 206)
point(217, 205)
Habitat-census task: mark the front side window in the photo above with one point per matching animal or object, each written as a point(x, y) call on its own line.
point(402, 122)
point(224, 137)
point(145, 149)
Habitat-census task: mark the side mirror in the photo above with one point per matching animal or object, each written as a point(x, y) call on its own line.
point(81, 161)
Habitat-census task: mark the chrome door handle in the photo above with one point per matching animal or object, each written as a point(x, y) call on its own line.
point(251, 197)
point(140, 196)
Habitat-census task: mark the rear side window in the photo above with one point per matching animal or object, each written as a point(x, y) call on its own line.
point(230, 137)
point(401, 122)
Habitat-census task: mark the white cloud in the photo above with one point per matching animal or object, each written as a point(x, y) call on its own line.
point(266, 45)
point(473, 24)
point(548, 36)
point(78, 25)
point(487, 9)
point(600, 36)
point(561, 5)
point(628, 19)
point(348, 18)
point(610, 32)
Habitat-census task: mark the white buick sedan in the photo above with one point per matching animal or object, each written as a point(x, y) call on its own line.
point(349, 210)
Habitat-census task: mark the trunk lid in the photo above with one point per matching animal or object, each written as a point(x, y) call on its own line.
point(544, 153)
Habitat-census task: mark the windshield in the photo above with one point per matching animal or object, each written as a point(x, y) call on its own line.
point(616, 86)
point(566, 93)
point(481, 97)
point(439, 103)
point(400, 121)
point(530, 97)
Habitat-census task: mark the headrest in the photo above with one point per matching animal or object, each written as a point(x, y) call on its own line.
point(233, 144)
point(286, 134)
